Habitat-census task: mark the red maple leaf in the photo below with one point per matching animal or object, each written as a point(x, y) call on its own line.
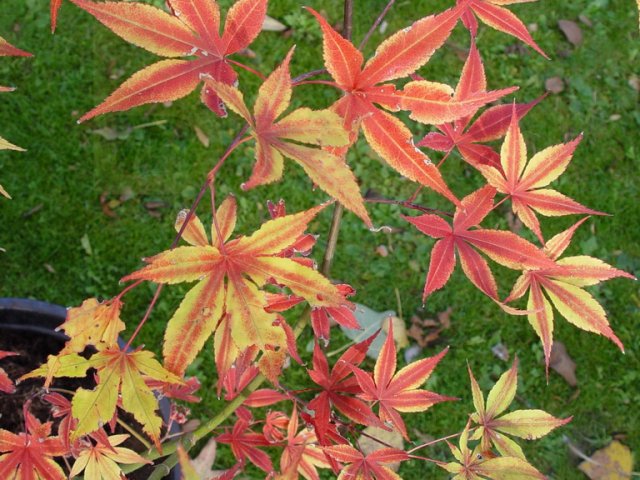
point(6, 384)
point(192, 30)
point(490, 125)
point(505, 248)
point(523, 181)
point(244, 442)
point(29, 455)
point(367, 87)
point(367, 467)
point(301, 454)
point(339, 388)
point(493, 14)
point(398, 391)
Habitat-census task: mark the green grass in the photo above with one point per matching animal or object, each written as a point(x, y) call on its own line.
point(67, 168)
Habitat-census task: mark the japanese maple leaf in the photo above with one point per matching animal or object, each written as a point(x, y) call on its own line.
point(492, 13)
point(274, 138)
point(102, 461)
point(119, 374)
point(339, 388)
point(29, 455)
point(562, 282)
point(301, 454)
point(244, 442)
point(8, 50)
point(6, 384)
point(226, 298)
point(191, 30)
point(493, 428)
point(473, 465)
point(505, 248)
point(523, 182)
point(54, 8)
point(398, 391)
point(490, 125)
point(366, 87)
point(373, 466)
point(92, 323)
point(320, 316)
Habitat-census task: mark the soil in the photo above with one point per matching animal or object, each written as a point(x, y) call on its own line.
point(32, 350)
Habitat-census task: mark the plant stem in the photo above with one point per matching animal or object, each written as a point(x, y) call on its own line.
point(375, 24)
point(332, 242)
point(407, 204)
point(133, 433)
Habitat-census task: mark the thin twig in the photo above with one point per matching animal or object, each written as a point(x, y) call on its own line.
point(407, 204)
point(378, 21)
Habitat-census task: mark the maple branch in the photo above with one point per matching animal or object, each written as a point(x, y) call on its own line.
point(378, 21)
point(347, 21)
point(437, 440)
point(408, 204)
point(303, 76)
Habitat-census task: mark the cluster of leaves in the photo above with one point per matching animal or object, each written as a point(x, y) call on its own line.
point(245, 285)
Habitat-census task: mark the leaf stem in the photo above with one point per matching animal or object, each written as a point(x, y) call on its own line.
point(247, 68)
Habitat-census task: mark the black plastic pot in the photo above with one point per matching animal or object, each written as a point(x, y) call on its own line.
point(40, 318)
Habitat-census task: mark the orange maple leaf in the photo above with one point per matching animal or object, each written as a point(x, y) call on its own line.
point(523, 181)
point(227, 299)
point(191, 31)
point(562, 282)
point(275, 138)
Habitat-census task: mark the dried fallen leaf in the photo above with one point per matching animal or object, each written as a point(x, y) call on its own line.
point(500, 351)
point(272, 25)
point(586, 20)
point(204, 140)
point(563, 364)
point(572, 31)
point(374, 438)
point(370, 321)
point(634, 82)
point(399, 331)
point(554, 85)
point(614, 462)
